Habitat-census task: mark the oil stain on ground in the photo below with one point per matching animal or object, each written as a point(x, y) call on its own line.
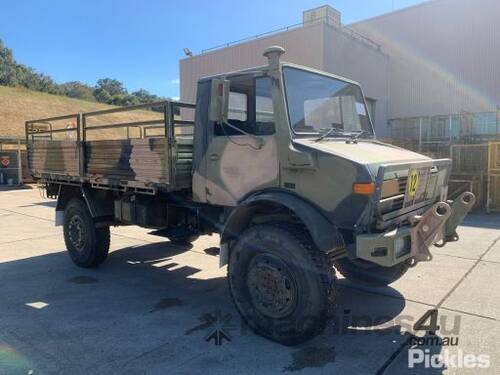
point(214, 251)
point(83, 280)
point(166, 303)
point(311, 357)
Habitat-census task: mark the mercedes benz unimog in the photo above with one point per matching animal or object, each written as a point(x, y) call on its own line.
point(282, 162)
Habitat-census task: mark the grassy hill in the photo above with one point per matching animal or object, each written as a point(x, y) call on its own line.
point(18, 105)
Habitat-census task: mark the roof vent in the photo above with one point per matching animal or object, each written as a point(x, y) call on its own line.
point(324, 13)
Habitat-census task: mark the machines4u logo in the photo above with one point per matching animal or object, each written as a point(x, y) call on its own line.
point(217, 326)
point(432, 351)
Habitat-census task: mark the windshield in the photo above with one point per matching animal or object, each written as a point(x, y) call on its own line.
point(317, 103)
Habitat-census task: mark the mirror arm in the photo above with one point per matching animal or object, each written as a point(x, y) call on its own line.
point(235, 128)
point(258, 140)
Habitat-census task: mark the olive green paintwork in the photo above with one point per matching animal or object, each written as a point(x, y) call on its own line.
point(233, 169)
point(323, 173)
point(139, 162)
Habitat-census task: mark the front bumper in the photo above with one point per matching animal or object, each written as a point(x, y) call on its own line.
point(411, 243)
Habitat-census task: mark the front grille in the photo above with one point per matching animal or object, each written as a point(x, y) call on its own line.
point(392, 208)
point(402, 184)
point(397, 203)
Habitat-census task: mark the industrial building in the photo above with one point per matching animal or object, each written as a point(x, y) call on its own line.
point(436, 59)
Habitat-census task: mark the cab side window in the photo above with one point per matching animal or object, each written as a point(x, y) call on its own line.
point(250, 108)
point(264, 111)
point(238, 106)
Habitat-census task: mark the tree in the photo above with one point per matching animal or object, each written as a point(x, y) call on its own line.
point(102, 96)
point(112, 86)
point(124, 100)
point(44, 83)
point(107, 90)
point(8, 71)
point(78, 90)
point(145, 96)
point(14, 74)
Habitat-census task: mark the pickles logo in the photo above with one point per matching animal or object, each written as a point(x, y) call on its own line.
point(412, 183)
point(426, 350)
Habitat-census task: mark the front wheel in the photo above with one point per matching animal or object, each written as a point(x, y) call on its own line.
point(361, 271)
point(281, 284)
point(87, 245)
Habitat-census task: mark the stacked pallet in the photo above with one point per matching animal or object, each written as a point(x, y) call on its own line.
point(469, 171)
point(494, 177)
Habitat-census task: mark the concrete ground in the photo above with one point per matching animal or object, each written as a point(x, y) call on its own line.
point(151, 306)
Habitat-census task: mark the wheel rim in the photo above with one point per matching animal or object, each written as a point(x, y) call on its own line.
point(76, 232)
point(271, 285)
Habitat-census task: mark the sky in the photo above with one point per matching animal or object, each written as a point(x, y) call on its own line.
point(140, 42)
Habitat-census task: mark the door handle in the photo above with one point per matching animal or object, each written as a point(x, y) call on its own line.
point(214, 157)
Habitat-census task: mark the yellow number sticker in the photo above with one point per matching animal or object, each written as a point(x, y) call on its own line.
point(412, 183)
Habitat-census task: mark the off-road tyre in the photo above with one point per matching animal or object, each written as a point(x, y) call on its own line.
point(368, 273)
point(301, 303)
point(87, 245)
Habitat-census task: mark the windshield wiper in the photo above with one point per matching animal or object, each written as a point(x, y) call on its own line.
point(352, 135)
point(332, 130)
point(355, 136)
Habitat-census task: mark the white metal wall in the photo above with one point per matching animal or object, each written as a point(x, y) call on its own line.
point(303, 46)
point(352, 58)
point(316, 45)
point(444, 56)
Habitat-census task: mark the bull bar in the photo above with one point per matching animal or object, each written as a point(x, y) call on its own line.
point(426, 227)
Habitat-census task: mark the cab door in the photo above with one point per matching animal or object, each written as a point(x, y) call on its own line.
point(242, 155)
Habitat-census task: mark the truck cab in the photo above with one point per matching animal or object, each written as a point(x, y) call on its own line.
point(285, 166)
point(287, 130)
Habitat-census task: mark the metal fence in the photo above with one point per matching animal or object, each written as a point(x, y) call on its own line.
point(471, 140)
point(344, 29)
point(464, 127)
point(12, 158)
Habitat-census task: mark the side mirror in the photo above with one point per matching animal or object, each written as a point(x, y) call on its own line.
point(219, 100)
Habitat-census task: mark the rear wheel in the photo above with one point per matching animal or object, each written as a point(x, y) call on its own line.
point(87, 245)
point(365, 272)
point(280, 283)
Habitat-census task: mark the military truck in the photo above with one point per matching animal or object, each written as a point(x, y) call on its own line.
point(282, 162)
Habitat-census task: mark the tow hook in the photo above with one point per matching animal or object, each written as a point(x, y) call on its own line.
point(427, 230)
point(459, 208)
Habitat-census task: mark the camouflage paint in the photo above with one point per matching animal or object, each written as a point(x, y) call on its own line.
point(53, 157)
point(130, 161)
point(239, 169)
point(229, 168)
